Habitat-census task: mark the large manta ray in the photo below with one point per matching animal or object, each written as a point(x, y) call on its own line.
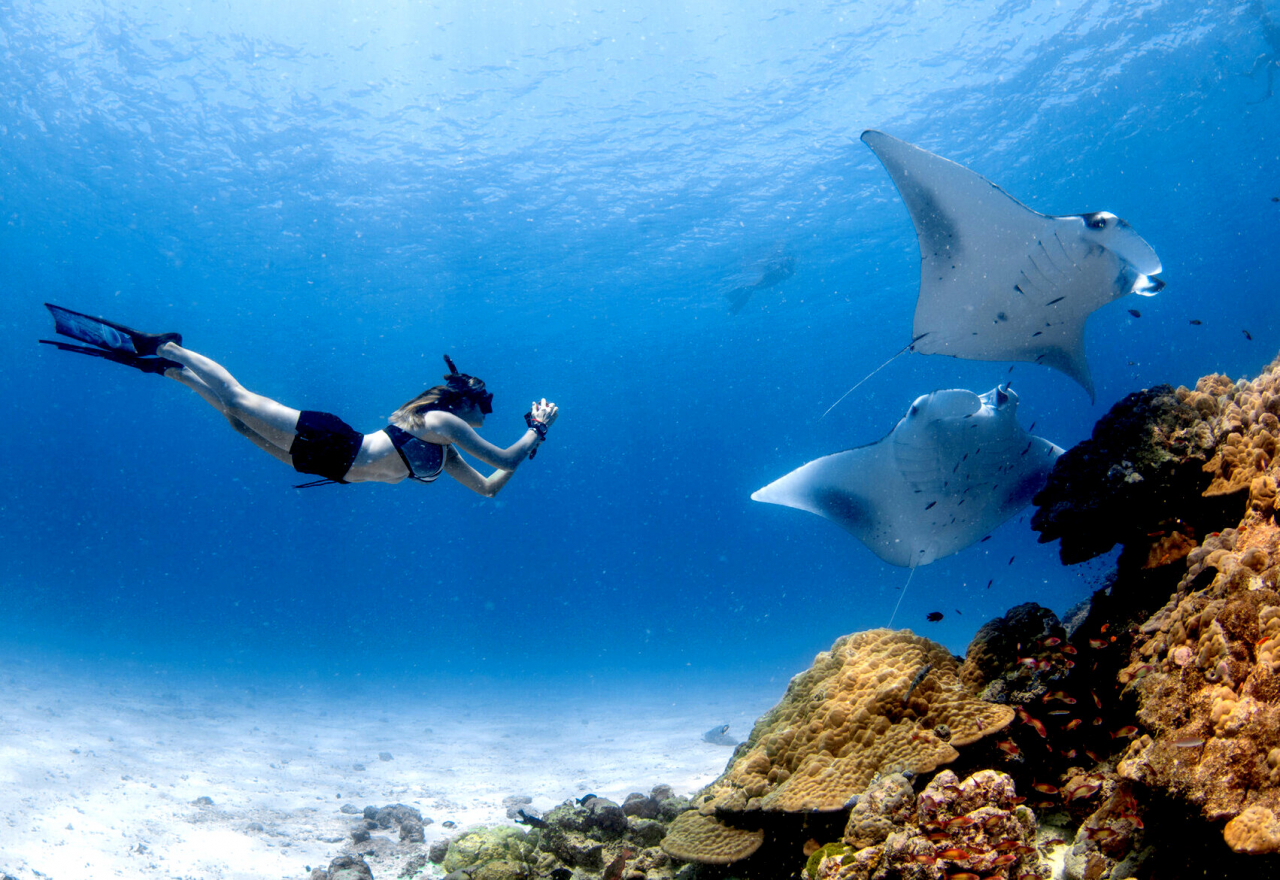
point(955, 467)
point(1001, 282)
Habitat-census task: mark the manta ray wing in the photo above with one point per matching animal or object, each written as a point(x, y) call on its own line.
point(1001, 282)
point(955, 467)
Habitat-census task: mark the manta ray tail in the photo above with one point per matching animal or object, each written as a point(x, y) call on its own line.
point(897, 355)
point(902, 594)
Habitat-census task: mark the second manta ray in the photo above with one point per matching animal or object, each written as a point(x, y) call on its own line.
point(955, 467)
point(1001, 282)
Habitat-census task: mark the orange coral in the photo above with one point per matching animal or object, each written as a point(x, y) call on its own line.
point(1212, 704)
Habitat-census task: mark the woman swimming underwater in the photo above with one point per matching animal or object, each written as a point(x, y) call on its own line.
point(421, 442)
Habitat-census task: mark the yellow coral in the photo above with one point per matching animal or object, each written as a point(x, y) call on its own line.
point(1255, 831)
point(697, 838)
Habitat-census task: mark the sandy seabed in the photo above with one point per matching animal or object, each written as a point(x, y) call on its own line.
point(104, 776)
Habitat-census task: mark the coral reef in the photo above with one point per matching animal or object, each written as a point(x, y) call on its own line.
point(1206, 672)
point(876, 701)
point(1141, 476)
point(975, 827)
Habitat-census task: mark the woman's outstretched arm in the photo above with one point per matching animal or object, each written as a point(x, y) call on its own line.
point(457, 467)
point(444, 427)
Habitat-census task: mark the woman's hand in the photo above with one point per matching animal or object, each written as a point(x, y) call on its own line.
point(544, 412)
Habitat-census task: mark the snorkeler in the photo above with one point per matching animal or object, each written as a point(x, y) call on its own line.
point(421, 442)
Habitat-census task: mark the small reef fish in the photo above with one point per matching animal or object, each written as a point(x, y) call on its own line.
point(1135, 313)
point(1188, 742)
point(1060, 695)
point(934, 616)
point(1073, 724)
point(1068, 649)
point(532, 821)
point(1126, 732)
point(1035, 725)
point(1045, 788)
point(1083, 790)
point(1009, 747)
point(1247, 335)
point(954, 854)
point(1051, 641)
point(1196, 322)
point(1097, 643)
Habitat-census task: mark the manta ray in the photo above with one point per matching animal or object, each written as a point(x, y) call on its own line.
point(957, 465)
point(1001, 282)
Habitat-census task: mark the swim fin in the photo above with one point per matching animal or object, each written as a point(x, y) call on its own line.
point(106, 334)
point(155, 365)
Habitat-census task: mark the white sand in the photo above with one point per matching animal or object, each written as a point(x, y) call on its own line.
point(99, 774)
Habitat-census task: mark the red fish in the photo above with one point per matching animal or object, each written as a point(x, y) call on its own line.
point(1051, 641)
point(1069, 754)
point(1045, 788)
point(954, 854)
point(1063, 696)
point(963, 875)
point(1029, 662)
point(1068, 649)
point(1097, 643)
point(1083, 790)
point(1096, 701)
point(1036, 726)
point(1127, 732)
point(1009, 747)
point(960, 822)
point(1073, 724)
point(1006, 859)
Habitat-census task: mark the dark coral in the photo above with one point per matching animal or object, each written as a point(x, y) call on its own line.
point(1138, 481)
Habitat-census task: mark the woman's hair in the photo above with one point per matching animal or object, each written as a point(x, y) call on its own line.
point(409, 416)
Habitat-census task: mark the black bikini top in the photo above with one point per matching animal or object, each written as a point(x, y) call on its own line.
point(424, 460)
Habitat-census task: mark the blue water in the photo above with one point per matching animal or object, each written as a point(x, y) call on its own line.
point(325, 197)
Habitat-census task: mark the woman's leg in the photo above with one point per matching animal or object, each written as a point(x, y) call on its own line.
point(252, 414)
point(192, 381)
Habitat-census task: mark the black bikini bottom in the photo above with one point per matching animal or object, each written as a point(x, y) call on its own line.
point(325, 445)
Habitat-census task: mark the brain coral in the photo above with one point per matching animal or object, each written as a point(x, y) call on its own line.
point(1206, 667)
point(878, 701)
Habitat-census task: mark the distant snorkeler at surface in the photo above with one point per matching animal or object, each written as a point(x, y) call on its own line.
point(421, 442)
point(1267, 61)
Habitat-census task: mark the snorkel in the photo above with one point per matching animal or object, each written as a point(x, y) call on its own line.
point(469, 387)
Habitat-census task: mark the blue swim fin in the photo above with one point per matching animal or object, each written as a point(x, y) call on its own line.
point(105, 334)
